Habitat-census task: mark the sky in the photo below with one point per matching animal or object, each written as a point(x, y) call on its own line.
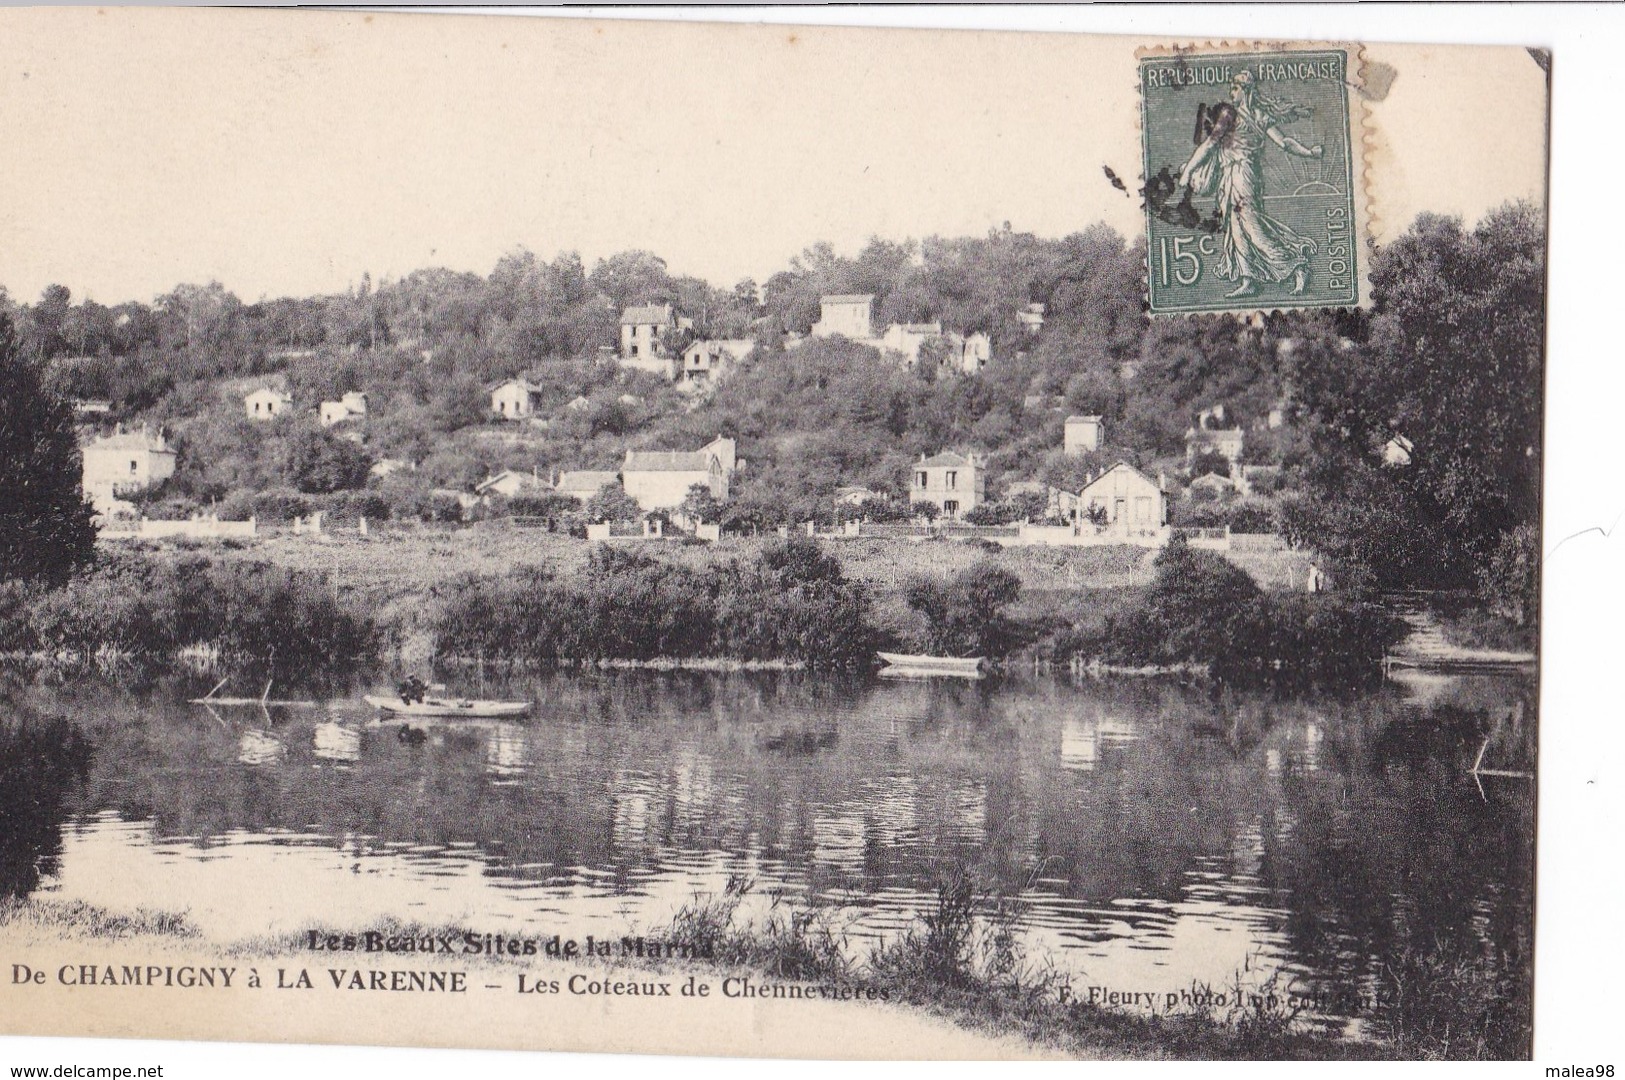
point(289, 152)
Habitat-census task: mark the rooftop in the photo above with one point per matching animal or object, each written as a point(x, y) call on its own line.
point(948, 458)
point(586, 479)
point(639, 314)
point(667, 461)
point(131, 440)
point(847, 298)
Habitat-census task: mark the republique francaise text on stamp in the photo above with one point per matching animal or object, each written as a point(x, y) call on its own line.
point(1253, 169)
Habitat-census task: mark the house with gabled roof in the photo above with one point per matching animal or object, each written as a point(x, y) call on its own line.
point(513, 399)
point(660, 479)
point(954, 483)
point(1128, 501)
point(509, 483)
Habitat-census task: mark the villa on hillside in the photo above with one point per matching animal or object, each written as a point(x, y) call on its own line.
point(121, 464)
point(660, 479)
point(954, 483)
point(706, 363)
point(351, 405)
point(906, 339)
point(1082, 435)
point(851, 316)
point(267, 403)
point(1031, 318)
point(513, 399)
point(641, 328)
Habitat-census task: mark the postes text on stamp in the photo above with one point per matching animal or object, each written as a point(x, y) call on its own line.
point(1253, 169)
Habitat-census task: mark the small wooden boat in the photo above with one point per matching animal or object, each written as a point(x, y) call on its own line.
point(904, 664)
point(438, 706)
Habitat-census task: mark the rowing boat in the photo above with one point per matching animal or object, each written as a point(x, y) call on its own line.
point(436, 706)
point(964, 667)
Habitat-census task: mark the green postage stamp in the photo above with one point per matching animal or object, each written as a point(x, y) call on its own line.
point(1253, 179)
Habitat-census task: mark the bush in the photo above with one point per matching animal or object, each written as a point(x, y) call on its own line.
point(278, 506)
point(1202, 609)
point(248, 611)
point(1509, 580)
point(965, 616)
point(350, 507)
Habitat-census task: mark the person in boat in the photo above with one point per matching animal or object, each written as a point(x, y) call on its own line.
point(412, 689)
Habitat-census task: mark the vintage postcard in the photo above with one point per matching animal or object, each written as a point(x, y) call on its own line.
point(613, 536)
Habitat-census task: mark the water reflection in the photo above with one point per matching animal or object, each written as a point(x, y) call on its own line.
point(1160, 833)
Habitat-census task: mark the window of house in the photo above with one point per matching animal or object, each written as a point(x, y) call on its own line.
point(953, 479)
point(634, 348)
point(951, 508)
point(920, 479)
point(1119, 509)
point(133, 466)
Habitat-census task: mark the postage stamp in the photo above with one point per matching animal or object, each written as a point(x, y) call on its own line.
point(1253, 172)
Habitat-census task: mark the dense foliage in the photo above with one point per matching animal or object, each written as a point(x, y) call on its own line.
point(965, 615)
point(45, 530)
point(1202, 610)
point(148, 608)
point(793, 603)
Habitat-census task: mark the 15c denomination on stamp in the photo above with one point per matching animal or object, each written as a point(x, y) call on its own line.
point(1254, 173)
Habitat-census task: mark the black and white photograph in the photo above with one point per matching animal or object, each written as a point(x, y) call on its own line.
point(688, 537)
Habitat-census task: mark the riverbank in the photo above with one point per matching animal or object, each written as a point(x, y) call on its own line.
point(412, 598)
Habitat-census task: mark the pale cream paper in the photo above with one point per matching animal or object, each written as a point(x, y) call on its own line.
point(282, 152)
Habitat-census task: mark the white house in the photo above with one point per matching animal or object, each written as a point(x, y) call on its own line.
point(706, 363)
point(1132, 503)
point(266, 403)
point(641, 327)
point(660, 479)
point(350, 405)
point(121, 464)
point(906, 339)
point(954, 483)
point(1082, 434)
point(514, 398)
point(849, 315)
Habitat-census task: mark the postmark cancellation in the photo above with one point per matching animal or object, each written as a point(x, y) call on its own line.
point(1254, 171)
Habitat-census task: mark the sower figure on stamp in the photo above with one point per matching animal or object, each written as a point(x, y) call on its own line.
point(1253, 246)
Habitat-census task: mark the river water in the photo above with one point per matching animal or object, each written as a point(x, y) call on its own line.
point(1156, 834)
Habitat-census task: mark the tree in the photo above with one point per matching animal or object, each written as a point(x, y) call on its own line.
point(317, 462)
point(1453, 360)
point(700, 505)
point(613, 504)
point(45, 527)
